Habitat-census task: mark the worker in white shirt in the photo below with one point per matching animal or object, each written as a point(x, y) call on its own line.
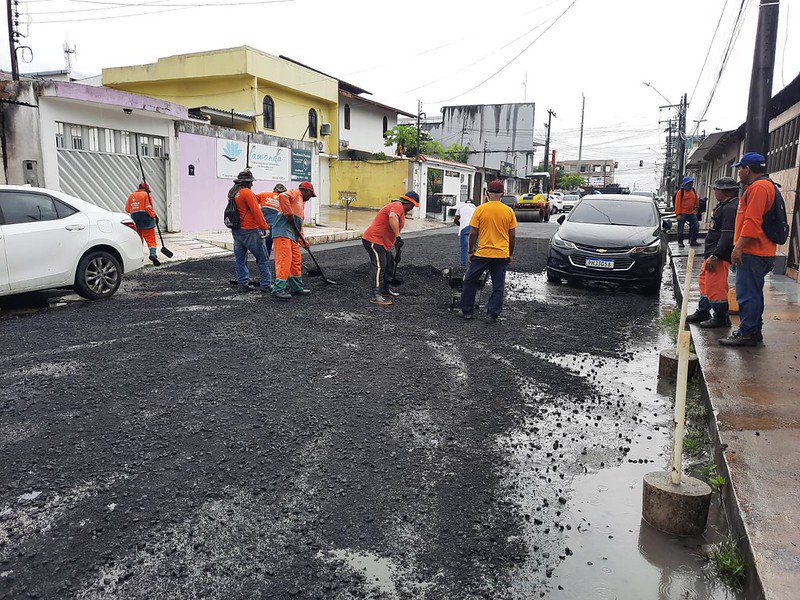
point(462, 219)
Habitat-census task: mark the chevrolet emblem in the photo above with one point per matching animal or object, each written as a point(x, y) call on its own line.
point(602, 250)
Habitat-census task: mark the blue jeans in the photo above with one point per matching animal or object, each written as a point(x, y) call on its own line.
point(497, 269)
point(464, 239)
point(694, 227)
point(249, 240)
point(268, 244)
point(750, 292)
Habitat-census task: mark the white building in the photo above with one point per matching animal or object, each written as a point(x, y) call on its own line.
point(363, 123)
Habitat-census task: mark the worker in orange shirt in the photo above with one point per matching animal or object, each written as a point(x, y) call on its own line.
point(249, 236)
point(753, 252)
point(287, 237)
point(140, 207)
point(270, 207)
point(686, 207)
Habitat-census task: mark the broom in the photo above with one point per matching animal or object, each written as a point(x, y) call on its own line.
point(164, 250)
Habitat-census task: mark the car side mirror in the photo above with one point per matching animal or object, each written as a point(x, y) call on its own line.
point(561, 219)
point(666, 224)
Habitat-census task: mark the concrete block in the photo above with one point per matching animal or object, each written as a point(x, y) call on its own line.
point(675, 509)
point(668, 363)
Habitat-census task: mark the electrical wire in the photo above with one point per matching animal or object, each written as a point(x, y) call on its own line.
point(708, 51)
point(513, 59)
point(166, 8)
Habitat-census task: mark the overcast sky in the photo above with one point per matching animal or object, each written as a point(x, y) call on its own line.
point(437, 51)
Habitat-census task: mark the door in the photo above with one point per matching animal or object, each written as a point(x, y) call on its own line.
point(43, 239)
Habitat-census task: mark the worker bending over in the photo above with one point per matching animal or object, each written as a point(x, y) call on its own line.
point(270, 207)
point(719, 244)
point(140, 207)
point(287, 237)
point(381, 236)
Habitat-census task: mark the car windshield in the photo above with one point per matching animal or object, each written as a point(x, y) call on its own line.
point(571, 198)
point(645, 194)
point(614, 212)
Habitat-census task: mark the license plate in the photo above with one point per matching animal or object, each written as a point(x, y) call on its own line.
point(600, 263)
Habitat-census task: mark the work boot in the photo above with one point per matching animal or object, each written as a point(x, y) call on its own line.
point(698, 316)
point(282, 296)
point(466, 316)
point(738, 339)
point(695, 244)
point(242, 289)
point(720, 318)
point(681, 245)
point(391, 293)
point(490, 318)
point(301, 292)
point(379, 299)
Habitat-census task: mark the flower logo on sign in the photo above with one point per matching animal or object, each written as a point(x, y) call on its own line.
point(231, 151)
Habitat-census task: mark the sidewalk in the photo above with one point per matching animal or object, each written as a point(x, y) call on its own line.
point(755, 395)
point(315, 235)
point(358, 219)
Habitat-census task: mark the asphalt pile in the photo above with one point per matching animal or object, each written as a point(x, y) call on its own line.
point(185, 441)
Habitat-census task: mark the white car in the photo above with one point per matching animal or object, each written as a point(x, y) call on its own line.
point(566, 202)
point(49, 240)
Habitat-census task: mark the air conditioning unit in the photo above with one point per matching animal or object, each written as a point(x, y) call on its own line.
point(325, 129)
point(344, 144)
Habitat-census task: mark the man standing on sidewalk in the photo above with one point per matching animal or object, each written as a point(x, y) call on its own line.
point(140, 207)
point(753, 252)
point(719, 244)
point(463, 216)
point(249, 236)
point(287, 237)
point(491, 245)
point(686, 207)
point(380, 237)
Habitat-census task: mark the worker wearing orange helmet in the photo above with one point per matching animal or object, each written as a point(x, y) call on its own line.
point(287, 237)
point(140, 207)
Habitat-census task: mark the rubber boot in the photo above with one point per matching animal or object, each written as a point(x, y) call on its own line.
point(698, 316)
point(282, 296)
point(379, 299)
point(720, 318)
point(154, 258)
point(391, 293)
point(300, 292)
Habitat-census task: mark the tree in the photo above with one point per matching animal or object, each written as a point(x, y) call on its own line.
point(456, 152)
point(405, 136)
point(569, 182)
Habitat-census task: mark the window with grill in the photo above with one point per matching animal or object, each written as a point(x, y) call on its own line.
point(144, 145)
point(347, 116)
point(269, 113)
point(94, 139)
point(108, 135)
point(783, 143)
point(125, 142)
point(76, 133)
point(385, 125)
point(312, 123)
point(60, 135)
point(158, 147)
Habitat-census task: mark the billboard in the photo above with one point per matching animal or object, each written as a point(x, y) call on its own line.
point(270, 163)
point(301, 165)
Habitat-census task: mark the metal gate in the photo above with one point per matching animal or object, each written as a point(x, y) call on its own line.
point(108, 179)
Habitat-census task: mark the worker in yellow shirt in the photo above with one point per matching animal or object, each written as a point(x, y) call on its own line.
point(491, 245)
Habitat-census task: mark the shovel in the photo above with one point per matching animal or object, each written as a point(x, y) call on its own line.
point(318, 272)
point(398, 254)
point(164, 250)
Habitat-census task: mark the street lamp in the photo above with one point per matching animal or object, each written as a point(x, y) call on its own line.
point(652, 87)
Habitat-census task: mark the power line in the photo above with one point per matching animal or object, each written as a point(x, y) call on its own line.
point(165, 8)
point(708, 52)
point(525, 49)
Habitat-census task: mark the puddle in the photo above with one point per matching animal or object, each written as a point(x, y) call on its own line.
point(202, 308)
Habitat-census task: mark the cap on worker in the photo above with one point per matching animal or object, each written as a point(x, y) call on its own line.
point(143, 186)
point(751, 159)
point(411, 196)
point(279, 188)
point(687, 180)
point(726, 183)
point(495, 187)
point(244, 177)
point(306, 185)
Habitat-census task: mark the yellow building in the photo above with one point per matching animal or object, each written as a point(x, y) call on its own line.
point(246, 89)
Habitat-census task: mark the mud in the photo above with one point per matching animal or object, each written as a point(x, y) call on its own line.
point(183, 441)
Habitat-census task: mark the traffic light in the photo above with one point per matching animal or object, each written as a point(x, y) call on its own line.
point(641, 163)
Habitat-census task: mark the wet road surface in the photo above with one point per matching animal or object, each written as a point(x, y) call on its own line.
point(184, 441)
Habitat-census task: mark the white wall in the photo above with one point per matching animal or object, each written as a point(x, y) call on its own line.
point(53, 110)
point(366, 125)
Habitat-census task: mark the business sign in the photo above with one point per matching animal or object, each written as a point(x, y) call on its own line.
point(301, 165)
point(596, 181)
point(268, 163)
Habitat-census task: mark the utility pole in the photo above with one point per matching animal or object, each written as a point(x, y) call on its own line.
point(419, 115)
point(681, 145)
point(550, 115)
point(13, 16)
point(483, 172)
point(525, 88)
point(553, 176)
point(756, 130)
point(583, 111)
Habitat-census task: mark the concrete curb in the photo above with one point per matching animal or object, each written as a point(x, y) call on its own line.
point(314, 239)
point(753, 587)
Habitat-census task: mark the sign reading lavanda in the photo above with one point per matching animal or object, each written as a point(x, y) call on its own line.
point(268, 163)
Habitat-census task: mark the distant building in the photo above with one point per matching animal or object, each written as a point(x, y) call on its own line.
point(499, 137)
point(597, 173)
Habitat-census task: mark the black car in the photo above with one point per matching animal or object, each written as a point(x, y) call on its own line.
point(610, 237)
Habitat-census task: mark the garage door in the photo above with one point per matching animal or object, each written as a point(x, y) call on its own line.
point(99, 166)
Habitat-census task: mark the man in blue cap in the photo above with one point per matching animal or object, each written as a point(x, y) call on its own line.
point(686, 206)
point(753, 252)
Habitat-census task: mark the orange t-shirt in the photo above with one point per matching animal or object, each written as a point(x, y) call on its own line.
point(249, 211)
point(757, 199)
point(380, 232)
point(686, 202)
point(140, 201)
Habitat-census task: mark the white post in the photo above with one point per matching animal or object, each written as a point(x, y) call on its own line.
point(687, 283)
point(684, 339)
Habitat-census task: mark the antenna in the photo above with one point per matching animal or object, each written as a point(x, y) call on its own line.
point(69, 51)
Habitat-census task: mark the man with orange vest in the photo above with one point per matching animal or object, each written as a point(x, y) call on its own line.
point(140, 207)
point(287, 237)
point(753, 252)
point(249, 235)
point(686, 207)
point(270, 207)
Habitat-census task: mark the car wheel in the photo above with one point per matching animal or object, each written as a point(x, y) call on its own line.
point(553, 277)
point(546, 217)
point(99, 275)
